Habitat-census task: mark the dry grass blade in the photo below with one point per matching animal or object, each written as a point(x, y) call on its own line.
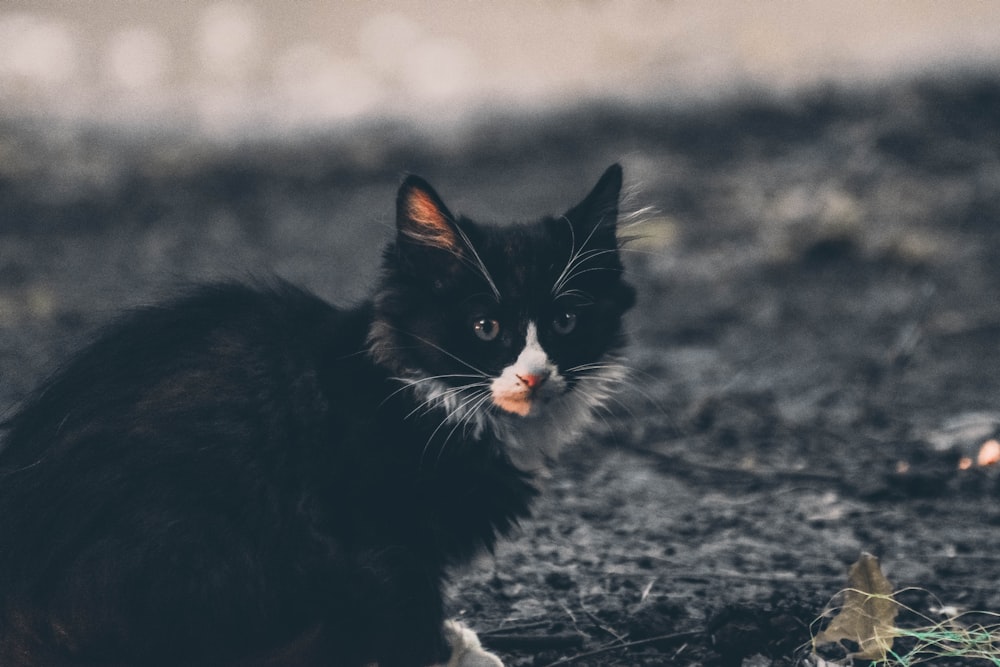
point(624, 646)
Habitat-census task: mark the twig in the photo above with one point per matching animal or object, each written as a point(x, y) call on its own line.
point(533, 642)
point(627, 645)
point(512, 629)
point(602, 627)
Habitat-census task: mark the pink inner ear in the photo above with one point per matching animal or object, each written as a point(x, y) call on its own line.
point(432, 225)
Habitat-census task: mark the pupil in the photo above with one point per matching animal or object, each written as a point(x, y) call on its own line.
point(487, 329)
point(564, 322)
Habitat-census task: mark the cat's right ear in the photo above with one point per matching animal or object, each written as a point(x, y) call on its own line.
point(423, 219)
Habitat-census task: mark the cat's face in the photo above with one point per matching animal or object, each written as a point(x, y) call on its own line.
point(504, 323)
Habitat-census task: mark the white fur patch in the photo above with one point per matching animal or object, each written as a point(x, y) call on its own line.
point(514, 390)
point(466, 651)
point(557, 416)
point(534, 441)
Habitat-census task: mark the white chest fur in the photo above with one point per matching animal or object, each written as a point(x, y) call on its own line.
point(532, 407)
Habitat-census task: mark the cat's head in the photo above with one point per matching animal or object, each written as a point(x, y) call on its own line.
point(515, 326)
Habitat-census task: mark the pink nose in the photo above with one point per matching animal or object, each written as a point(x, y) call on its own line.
point(532, 380)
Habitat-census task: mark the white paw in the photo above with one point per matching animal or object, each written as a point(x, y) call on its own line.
point(466, 651)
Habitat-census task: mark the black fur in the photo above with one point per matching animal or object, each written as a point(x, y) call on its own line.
point(235, 477)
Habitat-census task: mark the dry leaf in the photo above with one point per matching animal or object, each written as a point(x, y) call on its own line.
point(868, 614)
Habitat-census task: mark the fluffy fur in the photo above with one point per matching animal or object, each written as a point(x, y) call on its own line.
point(248, 475)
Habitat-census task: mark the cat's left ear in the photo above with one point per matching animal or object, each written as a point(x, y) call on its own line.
point(423, 219)
point(596, 217)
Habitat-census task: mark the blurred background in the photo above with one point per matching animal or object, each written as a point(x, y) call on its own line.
point(817, 272)
point(228, 68)
point(144, 143)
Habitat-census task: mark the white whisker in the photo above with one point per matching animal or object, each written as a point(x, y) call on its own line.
point(580, 272)
point(578, 258)
point(465, 420)
point(414, 381)
point(461, 413)
point(444, 398)
point(625, 372)
point(585, 297)
point(572, 254)
point(440, 349)
point(480, 265)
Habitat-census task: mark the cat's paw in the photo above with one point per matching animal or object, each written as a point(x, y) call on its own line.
point(466, 651)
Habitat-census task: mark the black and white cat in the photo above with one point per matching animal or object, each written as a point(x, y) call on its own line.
point(249, 476)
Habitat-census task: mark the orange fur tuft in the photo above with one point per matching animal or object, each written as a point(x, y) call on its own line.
point(431, 224)
point(519, 404)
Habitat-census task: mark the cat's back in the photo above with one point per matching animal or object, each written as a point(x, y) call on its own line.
point(211, 395)
point(215, 352)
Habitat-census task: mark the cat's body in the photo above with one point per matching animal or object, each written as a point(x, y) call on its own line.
point(248, 475)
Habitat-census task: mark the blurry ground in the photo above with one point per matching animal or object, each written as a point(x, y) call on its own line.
point(817, 334)
point(816, 342)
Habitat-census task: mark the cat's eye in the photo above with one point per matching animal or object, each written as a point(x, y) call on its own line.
point(486, 329)
point(563, 323)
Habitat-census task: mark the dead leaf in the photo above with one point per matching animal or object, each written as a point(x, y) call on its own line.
point(868, 614)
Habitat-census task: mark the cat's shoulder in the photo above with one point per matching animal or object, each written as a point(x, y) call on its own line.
point(251, 306)
point(201, 323)
point(206, 333)
point(260, 298)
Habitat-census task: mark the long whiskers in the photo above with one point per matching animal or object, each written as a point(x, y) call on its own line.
point(463, 405)
point(440, 349)
point(471, 413)
point(614, 373)
point(417, 381)
point(479, 265)
point(579, 257)
point(465, 416)
point(444, 398)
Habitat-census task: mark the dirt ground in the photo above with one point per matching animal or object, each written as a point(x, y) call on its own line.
point(816, 344)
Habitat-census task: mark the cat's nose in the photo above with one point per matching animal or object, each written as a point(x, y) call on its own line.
point(532, 380)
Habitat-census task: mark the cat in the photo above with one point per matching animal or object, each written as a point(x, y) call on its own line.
point(247, 475)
